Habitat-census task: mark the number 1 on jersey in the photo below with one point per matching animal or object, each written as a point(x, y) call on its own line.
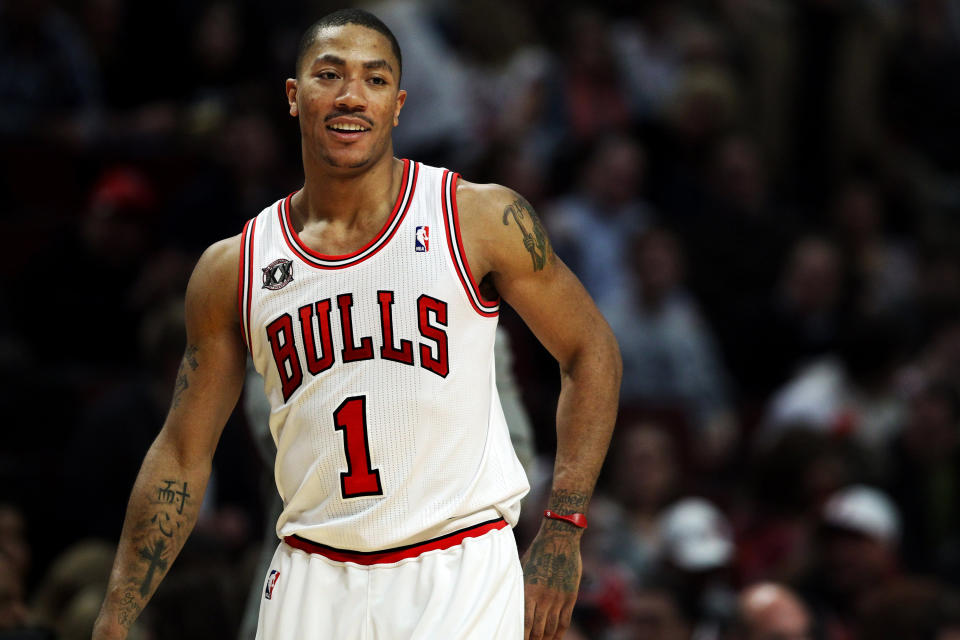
point(360, 479)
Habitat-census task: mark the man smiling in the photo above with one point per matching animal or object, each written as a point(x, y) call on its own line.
point(375, 338)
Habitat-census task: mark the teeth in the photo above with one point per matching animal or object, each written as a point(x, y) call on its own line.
point(348, 127)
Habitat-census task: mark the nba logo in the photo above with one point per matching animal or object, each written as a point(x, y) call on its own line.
point(423, 239)
point(271, 583)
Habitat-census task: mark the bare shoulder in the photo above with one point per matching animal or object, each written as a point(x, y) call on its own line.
point(213, 285)
point(504, 225)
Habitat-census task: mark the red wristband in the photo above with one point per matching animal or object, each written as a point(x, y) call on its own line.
point(576, 519)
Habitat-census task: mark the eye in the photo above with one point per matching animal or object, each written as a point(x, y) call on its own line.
point(327, 75)
point(378, 80)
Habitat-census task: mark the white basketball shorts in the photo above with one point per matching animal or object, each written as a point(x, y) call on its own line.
point(463, 586)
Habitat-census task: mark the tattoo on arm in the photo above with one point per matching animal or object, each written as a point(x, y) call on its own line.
point(534, 239)
point(159, 537)
point(564, 501)
point(189, 363)
point(554, 560)
point(130, 608)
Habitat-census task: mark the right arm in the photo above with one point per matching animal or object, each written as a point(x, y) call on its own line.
point(167, 494)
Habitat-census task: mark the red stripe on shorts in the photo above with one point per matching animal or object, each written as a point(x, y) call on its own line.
point(399, 553)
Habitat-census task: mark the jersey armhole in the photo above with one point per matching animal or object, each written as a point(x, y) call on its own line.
point(245, 281)
point(451, 223)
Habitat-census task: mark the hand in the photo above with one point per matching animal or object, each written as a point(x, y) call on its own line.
point(551, 576)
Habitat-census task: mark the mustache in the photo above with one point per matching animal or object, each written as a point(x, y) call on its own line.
point(347, 114)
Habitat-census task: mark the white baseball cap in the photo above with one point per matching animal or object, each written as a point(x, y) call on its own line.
point(864, 510)
point(696, 535)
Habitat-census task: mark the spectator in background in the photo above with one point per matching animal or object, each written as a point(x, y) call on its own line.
point(13, 609)
point(734, 233)
point(13, 540)
point(802, 320)
point(906, 610)
point(854, 394)
point(592, 226)
point(653, 613)
point(924, 480)
point(770, 611)
point(642, 477)
point(791, 479)
point(592, 87)
point(856, 552)
point(696, 560)
point(49, 83)
point(669, 357)
point(883, 270)
point(83, 569)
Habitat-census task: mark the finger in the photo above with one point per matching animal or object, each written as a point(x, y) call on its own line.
point(562, 627)
point(529, 609)
point(539, 622)
point(551, 620)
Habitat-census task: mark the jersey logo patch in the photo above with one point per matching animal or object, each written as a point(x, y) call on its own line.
point(277, 274)
point(422, 240)
point(271, 583)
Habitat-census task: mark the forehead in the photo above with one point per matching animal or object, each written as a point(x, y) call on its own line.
point(352, 43)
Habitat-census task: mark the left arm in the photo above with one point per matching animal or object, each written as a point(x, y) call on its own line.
point(508, 248)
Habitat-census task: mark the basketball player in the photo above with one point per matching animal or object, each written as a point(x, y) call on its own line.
point(369, 302)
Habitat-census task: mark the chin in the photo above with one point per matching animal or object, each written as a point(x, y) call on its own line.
point(348, 158)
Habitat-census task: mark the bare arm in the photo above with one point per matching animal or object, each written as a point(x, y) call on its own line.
point(507, 244)
point(166, 496)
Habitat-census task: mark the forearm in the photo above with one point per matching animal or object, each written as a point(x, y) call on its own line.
point(162, 510)
point(586, 412)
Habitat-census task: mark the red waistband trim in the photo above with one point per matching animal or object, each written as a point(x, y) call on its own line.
point(399, 553)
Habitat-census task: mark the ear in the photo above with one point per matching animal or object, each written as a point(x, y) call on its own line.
point(401, 99)
point(292, 96)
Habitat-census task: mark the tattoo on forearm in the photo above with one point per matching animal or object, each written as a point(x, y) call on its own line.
point(564, 501)
point(129, 608)
point(159, 536)
point(169, 493)
point(535, 240)
point(189, 363)
point(156, 557)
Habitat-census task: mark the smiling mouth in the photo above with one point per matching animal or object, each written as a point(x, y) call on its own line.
point(347, 128)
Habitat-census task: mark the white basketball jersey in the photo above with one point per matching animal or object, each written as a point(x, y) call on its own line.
point(378, 366)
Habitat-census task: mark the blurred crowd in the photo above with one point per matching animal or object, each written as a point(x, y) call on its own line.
point(761, 196)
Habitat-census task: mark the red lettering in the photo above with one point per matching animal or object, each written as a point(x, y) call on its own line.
point(351, 352)
point(440, 363)
point(317, 364)
point(280, 336)
point(405, 353)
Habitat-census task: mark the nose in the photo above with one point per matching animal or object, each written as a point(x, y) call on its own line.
point(352, 96)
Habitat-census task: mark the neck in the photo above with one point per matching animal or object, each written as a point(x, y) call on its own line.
point(332, 194)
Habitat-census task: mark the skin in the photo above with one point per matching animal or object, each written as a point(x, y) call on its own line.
point(351, 181)
point(772, 612)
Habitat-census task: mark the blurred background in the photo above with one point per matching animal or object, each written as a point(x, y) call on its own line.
point(761, 195)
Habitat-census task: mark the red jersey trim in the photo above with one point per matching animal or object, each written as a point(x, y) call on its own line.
point(396, 554)
point(451, 219)
point(245, 279)
point(386, 233)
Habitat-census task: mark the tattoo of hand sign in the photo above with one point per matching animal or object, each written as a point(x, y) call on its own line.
point(534, 242)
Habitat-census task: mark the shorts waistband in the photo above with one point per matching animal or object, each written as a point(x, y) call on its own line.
point(388, 556)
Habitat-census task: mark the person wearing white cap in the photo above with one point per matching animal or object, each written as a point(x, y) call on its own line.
point(697, 551)
point(858, 550)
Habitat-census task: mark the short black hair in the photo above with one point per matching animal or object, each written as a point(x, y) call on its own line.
point(348, 16)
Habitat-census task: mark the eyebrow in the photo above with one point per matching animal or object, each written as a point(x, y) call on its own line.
point(337, 60)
